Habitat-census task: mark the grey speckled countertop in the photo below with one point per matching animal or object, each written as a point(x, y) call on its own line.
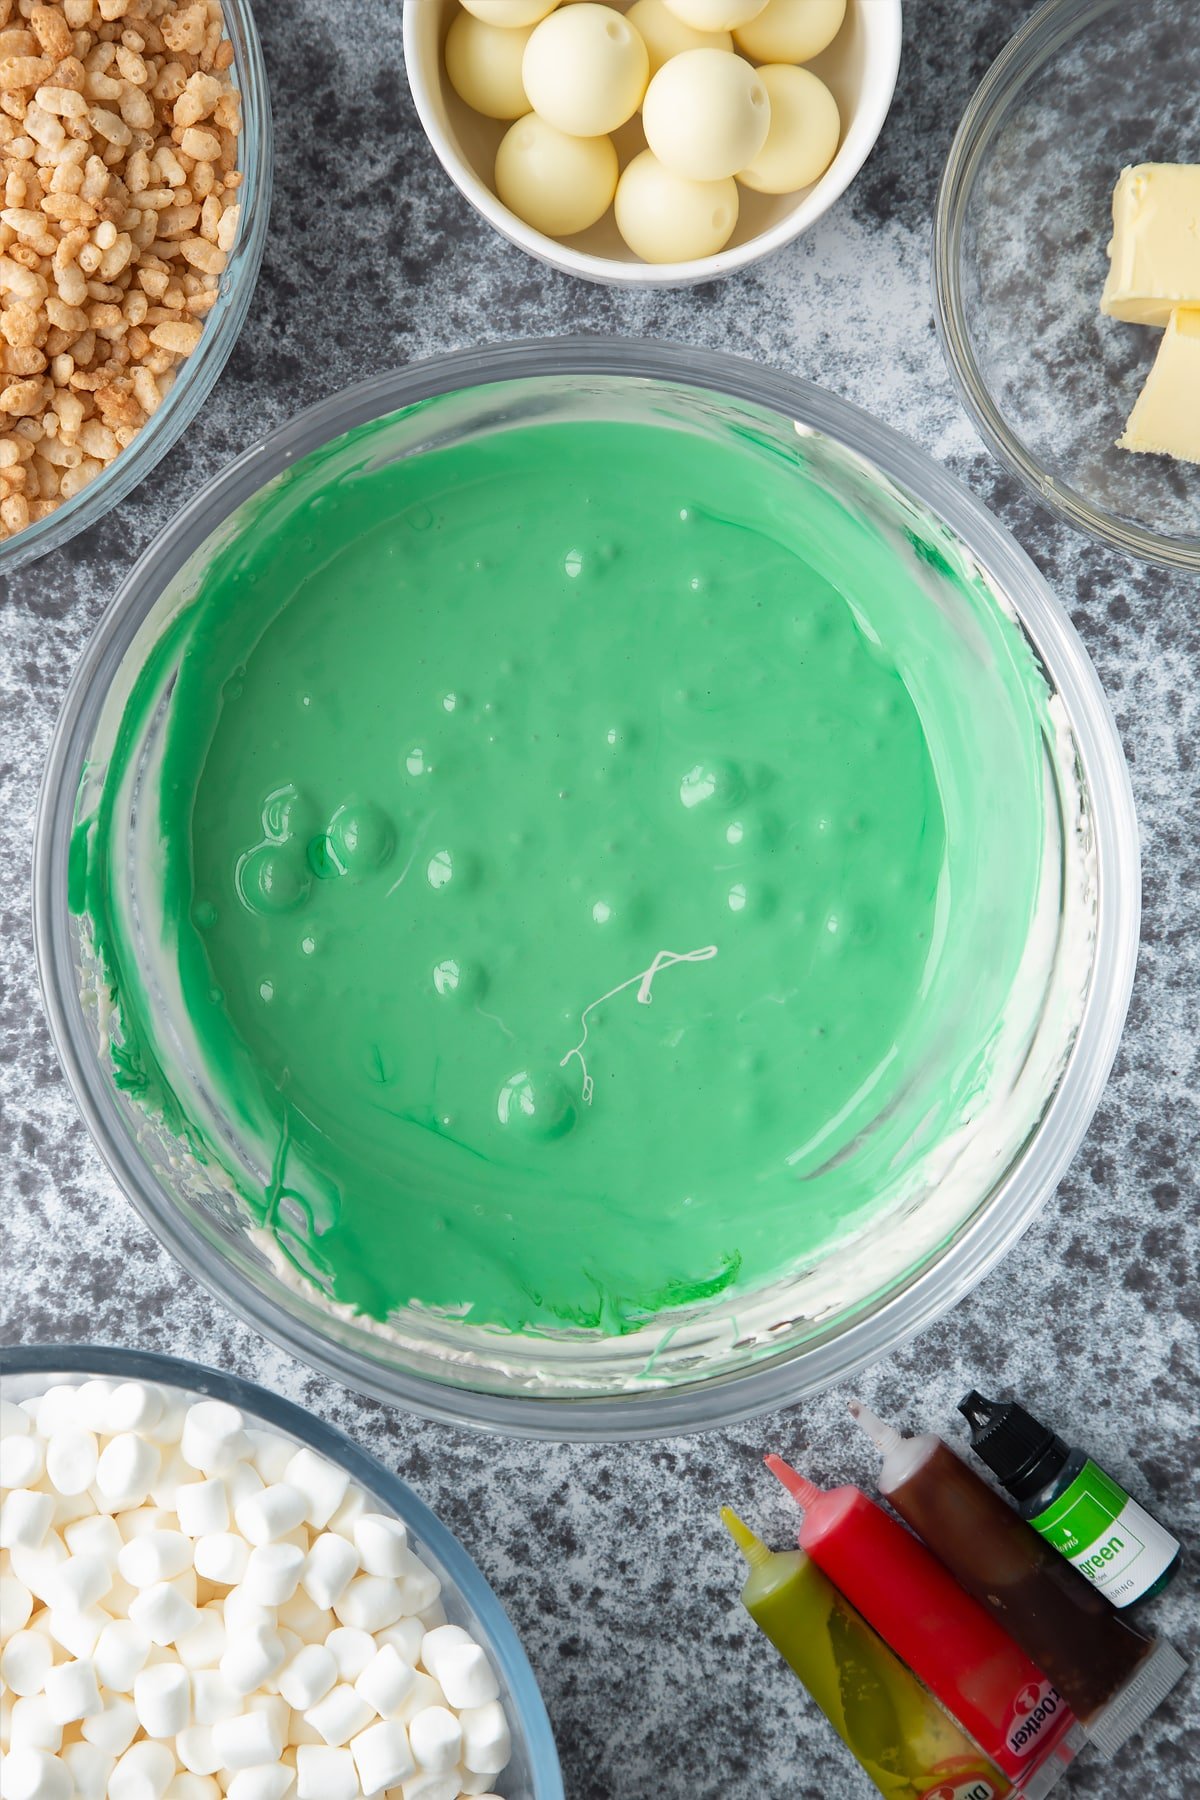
point(610, 1560)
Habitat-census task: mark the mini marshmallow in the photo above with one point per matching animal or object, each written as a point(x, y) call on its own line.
point(56, 1408)
point(405, 1637)
point(325, 1774)
point(16, 1603)
point(240, 1482)
point(487, 1745)
point(382, 1756)
point(221, 1556)
point(76, 1628)
point(328, 1568)
point(197, 1751)
point(424, 1692)
point(33, 1726)
point(37, 1568)
point(36, 1775)
point(435, 1642)
point(155, 1556)
point(71, 1459)
point(173, 1474)
point(382, 1544)
point(273, 1572)
point(271, 1454)
point(72, 1692)
point(214, 1437)
point(127, 1466)
point(352, 1508)
point(203, 1507)
point(421, 1591)
point(322, 1483)
point(268, 1781)
point(340, 1714)
point(96, 1535)
point(250, 1739)
point(242, 1612)
point(425, 1785)
point(164, 1612)
point(112, 1729)
point(275, 1708)
point(386, 1682)
point(133, 1406)
point(252, 1658)
point(309, 1621)
point(309, 1676)
point(475, 1785)
point(82, 1580)
point(206, 1643)
point(466, 1675)
point(351, 1649)
point(25, 1517)
point(169, 1429)
point(370, 1602)
point(436, 1738)
point(143, 1773)
point(137, 1521)
point(162, 1699)
point(89, 1768)
point(25, 1662)
point(90, 1404)
point(212, 1698)
point(121, 1650)
point(22, 1460)
point(186, 1786)
point(264, 1517)
point(13, 1421)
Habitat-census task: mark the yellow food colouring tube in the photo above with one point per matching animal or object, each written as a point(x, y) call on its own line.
point(899, 1734)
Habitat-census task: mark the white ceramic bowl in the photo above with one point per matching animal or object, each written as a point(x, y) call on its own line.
point(859, 67)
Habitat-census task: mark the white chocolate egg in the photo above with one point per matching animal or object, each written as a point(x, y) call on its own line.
point(706, 114)
point(510, 14)
point(715, 15)
point(585, 70)
point(665, 35)
point(804, 134)
point(791, 30)
point(664, 217)
point(557, 183)
point(483, 65)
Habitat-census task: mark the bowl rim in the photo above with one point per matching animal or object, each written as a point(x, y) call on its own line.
point(1011, 1205)
point(283, 1414)
point(197, 375)
point(1044, 33)
point(886, 30)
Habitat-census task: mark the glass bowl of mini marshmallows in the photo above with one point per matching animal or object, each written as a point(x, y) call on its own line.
point(206, 1591)
point(652, 142)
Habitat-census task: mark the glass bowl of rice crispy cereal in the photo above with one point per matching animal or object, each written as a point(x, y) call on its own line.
point(135, 177)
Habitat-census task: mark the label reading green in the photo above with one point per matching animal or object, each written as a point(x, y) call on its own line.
point(1108, 1536)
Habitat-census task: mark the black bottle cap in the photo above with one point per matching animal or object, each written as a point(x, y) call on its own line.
point(1021, 1452)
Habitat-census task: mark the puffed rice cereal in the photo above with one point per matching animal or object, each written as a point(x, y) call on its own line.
point(118, 157)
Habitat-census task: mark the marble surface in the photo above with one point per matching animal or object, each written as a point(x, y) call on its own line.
point(610, 1559)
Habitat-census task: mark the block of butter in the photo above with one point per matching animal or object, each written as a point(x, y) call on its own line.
point(1155, 249)
point(1166, 417)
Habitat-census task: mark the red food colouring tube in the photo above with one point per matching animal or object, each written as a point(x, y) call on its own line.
point(982, 1678)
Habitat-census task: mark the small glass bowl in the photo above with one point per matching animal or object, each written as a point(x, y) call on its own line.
point(533, 1773)
point(735, 1356)
point(196, 375)
point(1023, 218)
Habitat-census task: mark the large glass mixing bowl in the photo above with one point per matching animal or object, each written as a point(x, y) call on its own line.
point(728, 1356)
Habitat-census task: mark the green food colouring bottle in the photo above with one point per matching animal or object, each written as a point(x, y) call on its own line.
point(909, 1746)
point(1075, 1504)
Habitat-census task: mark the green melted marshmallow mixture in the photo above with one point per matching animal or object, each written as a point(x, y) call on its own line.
point(567, 860)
